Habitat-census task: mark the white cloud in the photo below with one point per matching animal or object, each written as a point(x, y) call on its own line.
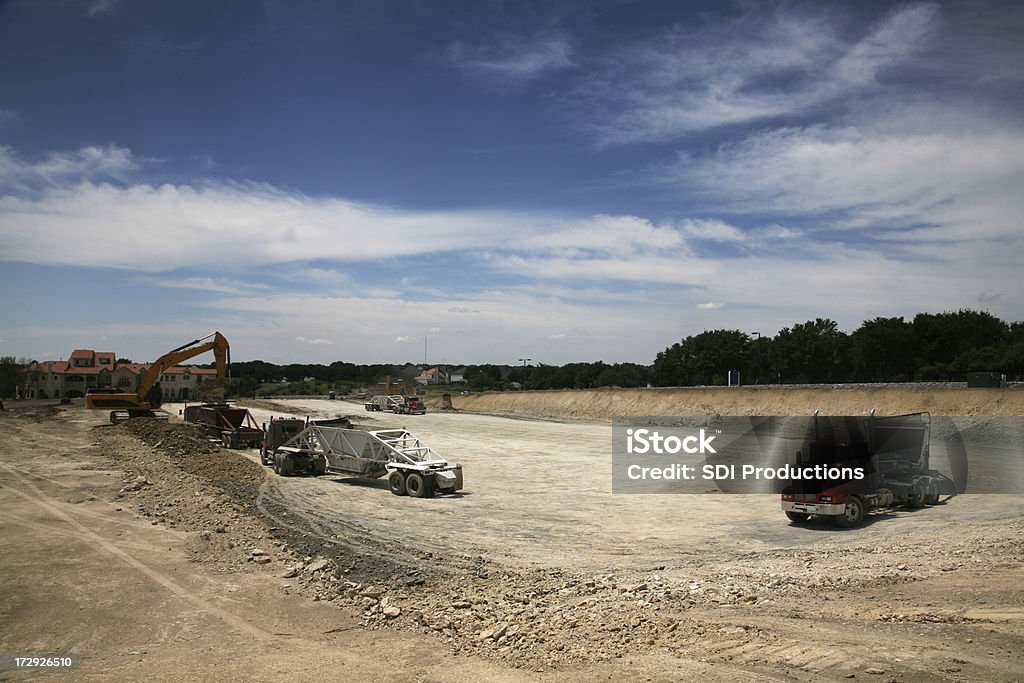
point(514, 58)
point(768, 62)
point(712, 230)
point(316, 341)
point(936, 185)
point(404, 339)
point(710, 306)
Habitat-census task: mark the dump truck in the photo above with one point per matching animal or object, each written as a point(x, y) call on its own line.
point(231, 425)
point(867, 464)
point(412, 467)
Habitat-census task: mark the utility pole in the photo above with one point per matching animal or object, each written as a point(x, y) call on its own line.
point(524, 361)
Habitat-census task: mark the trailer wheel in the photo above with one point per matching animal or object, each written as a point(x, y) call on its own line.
point(226, 440)
point(853, 514)
point(415, 485)
point(396, 482)
point(933, 493)
point(797, 517)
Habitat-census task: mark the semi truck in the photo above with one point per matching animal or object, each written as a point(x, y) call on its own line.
point(398, 404)
point(877, 463)
point(412, 467)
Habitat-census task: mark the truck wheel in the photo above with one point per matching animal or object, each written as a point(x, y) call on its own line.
point(396, 482)
point(918, 495)
point(319, 467)
point(853, 515)
point(797, 517)
point(226, 440)
point(933, 493)
point(415, 485)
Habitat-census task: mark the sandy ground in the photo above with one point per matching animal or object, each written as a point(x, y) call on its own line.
point(534, 571)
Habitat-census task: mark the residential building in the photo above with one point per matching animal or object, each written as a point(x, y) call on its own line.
point(87, 369)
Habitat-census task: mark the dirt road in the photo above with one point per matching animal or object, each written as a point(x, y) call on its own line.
point(532, 572)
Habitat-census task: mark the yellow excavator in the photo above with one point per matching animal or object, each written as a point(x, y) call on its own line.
point(145, 401)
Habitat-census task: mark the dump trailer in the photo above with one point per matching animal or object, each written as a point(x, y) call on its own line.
point(879, 462)
point(385, 403)
point(412, 467)
point(226, 422)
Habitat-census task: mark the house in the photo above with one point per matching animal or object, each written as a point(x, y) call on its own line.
point(182, 383)
point(432, 376)
point(457, 376)
point(87, 369)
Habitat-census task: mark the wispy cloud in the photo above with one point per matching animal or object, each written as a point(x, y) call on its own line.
point(769, 62)
point(515, 58)
point(710, 306)
point(315, 341)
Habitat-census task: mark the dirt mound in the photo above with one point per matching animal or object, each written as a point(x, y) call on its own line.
point(607, 404)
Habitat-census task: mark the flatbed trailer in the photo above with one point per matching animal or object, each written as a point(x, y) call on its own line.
point(412, 467)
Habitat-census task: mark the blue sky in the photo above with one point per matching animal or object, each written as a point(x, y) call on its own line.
point(562, 181)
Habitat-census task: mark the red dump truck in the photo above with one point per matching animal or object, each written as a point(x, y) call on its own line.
point(231, 425)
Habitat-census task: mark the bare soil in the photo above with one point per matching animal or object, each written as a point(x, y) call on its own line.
point(154, 554)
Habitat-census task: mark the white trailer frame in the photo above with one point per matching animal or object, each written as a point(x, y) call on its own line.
point(412, 467)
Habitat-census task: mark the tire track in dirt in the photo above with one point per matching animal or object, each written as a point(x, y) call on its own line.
point(100, 544)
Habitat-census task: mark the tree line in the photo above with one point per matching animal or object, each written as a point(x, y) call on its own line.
point(930, 347)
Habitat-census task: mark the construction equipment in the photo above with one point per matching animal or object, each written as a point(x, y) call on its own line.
point(879, 462)
point(277, 432)
point(384, 403)
point(232, 426)
point(398, 404)
point(146, 401)
point(412, 467)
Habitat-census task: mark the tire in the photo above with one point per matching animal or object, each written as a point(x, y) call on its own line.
point(319, 467)
point(226, 440)
point(396, 482)
point(933, 493)
point(853, 515)
point(277, 466)
point(416, 485)
point(918, 495)
point(798, 517)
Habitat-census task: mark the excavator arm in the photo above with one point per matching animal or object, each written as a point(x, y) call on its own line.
point(141, 403)
point(219, 346)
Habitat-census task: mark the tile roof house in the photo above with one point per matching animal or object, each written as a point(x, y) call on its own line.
point(87, 369)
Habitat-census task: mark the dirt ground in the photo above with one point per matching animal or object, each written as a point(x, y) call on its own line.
point(153, 554)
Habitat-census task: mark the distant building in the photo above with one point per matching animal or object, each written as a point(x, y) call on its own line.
point(457, 376)
point(432, 376)
point(88, 369)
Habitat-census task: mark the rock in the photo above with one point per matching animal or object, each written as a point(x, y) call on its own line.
point(290, 572)
point(874, 671)
point(391, 612)
point(261, 559)
point(256, 552)
point(461, 604)
point(318, 566)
